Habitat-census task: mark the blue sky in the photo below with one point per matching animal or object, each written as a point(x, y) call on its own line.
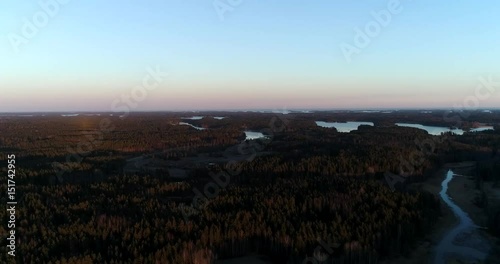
point(262, 54)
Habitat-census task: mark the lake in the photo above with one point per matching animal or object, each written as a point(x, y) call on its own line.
point(343, 127)
point(250, 135)
point(193, 117)
point(436, 131)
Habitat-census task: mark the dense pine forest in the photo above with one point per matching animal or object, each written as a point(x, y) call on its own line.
point(144, 188)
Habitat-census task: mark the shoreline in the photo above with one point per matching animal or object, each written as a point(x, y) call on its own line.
point(461, 190)
point(424, 249)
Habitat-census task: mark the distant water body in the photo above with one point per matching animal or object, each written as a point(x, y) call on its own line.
point(187, 124)
point(252, 135)
point(193, 117)
point(343, 127)
point(436, 131)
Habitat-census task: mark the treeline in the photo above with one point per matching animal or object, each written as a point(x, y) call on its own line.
point(132, 218)
point(315, 184)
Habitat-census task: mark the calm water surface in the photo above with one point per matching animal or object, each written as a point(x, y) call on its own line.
point(436, 131)
point(343, 127)
point(465, 227)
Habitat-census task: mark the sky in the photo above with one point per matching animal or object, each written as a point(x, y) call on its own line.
point(71, 55)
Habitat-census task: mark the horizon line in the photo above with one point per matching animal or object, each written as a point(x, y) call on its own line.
point(258, 110)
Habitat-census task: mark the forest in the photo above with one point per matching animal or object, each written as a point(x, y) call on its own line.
point(79, 201)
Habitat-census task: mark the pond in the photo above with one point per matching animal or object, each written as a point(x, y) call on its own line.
point(251, 135)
